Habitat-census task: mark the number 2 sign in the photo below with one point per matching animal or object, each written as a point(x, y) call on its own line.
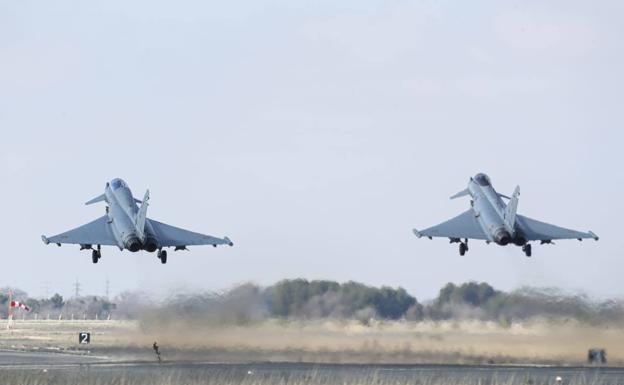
point(84, 338)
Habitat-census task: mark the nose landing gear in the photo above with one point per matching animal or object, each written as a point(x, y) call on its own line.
point(162, 255)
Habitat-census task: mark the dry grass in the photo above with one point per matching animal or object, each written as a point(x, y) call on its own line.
point(240, 377)
point(329, 341)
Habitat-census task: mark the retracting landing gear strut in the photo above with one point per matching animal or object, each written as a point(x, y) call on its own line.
point(96, 254)
point(527, 249)
point(162, 255)
point(463, 247)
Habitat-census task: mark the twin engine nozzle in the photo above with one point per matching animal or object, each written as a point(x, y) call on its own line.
point(134, 244)
point(502, 237)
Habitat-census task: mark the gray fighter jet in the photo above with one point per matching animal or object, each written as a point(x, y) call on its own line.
point(490, 219)
point(126, 226)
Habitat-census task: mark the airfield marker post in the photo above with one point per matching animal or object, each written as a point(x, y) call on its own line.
point(10, 313)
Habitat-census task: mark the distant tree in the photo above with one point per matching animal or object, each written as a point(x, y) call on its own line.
point(96, 306)
point(446, 294)
point(289, 296)
point(17, 294)
point(57, 301)
point(357, 295)
point(322, 287)
point(299, 297)
point(470, 293)
point(391, 303)
point(416, 312)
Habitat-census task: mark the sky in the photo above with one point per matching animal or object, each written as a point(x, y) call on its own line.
point(315, 134)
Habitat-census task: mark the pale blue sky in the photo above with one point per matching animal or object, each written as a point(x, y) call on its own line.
point(314, 134)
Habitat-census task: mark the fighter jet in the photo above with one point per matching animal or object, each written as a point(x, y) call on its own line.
point(126, 226)
point(490, 219)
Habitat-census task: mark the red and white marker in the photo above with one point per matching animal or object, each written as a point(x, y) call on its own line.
point(20, 305)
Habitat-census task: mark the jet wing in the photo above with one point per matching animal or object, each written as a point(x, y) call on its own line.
point(173, 236)
point(540, 231)
point(97, 232)
point(464, 225)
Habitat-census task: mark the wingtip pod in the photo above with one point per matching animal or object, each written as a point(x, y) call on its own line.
point(594, 236)
point(45, 240)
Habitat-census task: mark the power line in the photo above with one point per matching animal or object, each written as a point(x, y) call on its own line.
point(46, 289)
point(76, 288)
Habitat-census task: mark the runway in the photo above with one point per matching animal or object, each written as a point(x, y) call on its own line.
point(36, 359)
point(84, 365)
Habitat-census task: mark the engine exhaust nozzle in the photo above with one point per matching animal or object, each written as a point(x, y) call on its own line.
point(502, 237)
point(151, 244)
point(133, 244)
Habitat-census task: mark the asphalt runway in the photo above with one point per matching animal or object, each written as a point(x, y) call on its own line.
point(37, 361)
point(17, 358)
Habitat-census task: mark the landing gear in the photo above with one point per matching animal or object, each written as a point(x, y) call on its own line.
point(463, 247)
point(527, 249)
point(96, 255)
point(162, 255)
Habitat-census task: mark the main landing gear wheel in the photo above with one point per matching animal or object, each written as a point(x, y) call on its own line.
point(162, 255)
point(527, 249)
point(462, 248)
point(95, 256)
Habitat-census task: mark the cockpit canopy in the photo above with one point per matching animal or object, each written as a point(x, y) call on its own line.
point(117, 183)
point(482, 180)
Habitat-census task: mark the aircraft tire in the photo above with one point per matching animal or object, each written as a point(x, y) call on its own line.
point(95, 256)
point(462, 248)
point(163, 257)
point(527, 249)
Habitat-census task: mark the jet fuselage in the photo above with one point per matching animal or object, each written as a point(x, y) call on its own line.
point(490, 211)
point(123, 215)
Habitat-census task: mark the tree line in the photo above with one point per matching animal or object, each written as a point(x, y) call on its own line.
point(320, 299)
point(56, 305)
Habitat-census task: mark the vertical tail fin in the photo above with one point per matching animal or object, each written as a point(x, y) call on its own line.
point(512, 208)
point(462, 193)
point(98, 198)
point(142, 217)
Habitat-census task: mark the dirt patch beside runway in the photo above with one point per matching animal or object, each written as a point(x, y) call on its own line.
point(324, 341)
